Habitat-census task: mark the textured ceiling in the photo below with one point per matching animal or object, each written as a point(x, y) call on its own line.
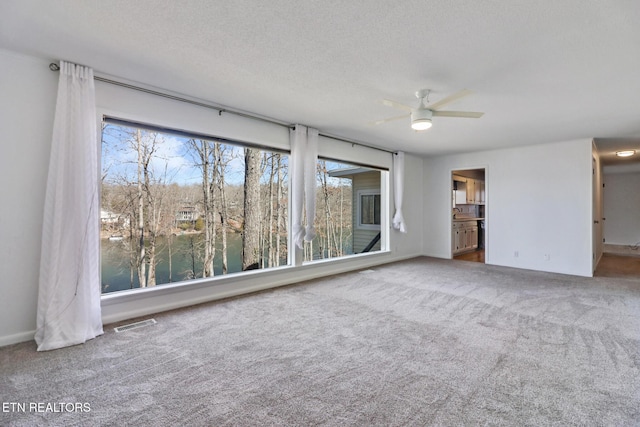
point(542, 71)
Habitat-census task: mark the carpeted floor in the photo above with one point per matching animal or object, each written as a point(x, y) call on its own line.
point(416, 343)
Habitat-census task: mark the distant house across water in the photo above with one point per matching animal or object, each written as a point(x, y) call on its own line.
point(187, 214)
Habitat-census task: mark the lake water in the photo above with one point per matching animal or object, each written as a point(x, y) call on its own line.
point(115, 260)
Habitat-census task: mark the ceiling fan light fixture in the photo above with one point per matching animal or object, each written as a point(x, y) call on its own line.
point(421, 119)
point(625, 153)
point(421, 124)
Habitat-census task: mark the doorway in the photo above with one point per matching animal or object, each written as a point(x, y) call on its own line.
point(468, 214)
point(597, 212)
point(619, 234)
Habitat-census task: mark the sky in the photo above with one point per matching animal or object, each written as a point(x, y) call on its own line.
point(173, 160)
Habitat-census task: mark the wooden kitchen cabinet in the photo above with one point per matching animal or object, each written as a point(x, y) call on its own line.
point(464, 236)
point(472, 237)
point(471, 191)
point(458, 238)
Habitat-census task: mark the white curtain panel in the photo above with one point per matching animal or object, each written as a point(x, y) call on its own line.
point(310, 187)
point(69, 289)
point(398, 191)
point(302, 169)
point(298, 137)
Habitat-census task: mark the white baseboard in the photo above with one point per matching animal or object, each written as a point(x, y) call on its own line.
point(621, 249)
point(17, 338)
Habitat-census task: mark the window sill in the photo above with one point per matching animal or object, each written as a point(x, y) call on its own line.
point(279, 276)
point(171, 288)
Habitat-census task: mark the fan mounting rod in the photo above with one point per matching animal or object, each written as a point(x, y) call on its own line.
point(422, 94)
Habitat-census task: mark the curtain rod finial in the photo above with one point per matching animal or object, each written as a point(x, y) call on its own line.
point(54, 67)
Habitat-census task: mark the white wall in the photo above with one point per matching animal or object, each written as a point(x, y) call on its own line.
point(26, 118)
point(539, 202)
point(622, 208)
point(27, 104)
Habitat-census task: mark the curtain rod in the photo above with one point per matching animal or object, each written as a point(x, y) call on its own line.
point(55, 67)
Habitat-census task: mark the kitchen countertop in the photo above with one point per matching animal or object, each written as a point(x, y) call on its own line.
point(468, 219)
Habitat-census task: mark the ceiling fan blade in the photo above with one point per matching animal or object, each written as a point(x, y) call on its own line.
point(450, 99)
point(390, 103)
point(390, 119)
point(465, 114)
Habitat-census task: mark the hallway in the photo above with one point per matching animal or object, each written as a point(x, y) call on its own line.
point(612, 265)
point(475, 256)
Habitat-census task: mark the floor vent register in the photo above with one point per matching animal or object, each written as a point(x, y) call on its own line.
point(135, 325)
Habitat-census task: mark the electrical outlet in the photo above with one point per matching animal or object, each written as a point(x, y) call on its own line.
point(516, 254)
point(547, 257)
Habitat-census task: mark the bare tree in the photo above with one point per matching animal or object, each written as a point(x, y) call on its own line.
point(222, 161)
point(322, 173)
point(270, 228)
point(205, 159)
point(154, 190)
point(152, 223)
point(141, 255)
point(251, 230)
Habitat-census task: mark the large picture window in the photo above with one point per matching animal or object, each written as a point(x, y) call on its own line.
point(339, 214)
point(177, 207)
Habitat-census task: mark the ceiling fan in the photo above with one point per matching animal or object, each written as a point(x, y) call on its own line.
point(421, 116)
